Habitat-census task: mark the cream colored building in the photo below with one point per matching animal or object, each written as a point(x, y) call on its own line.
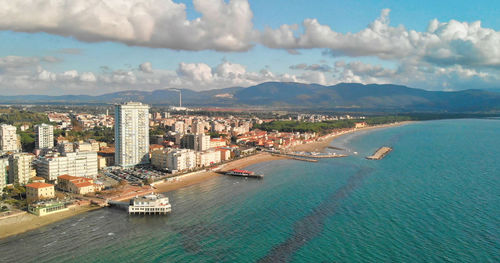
point(77, 185)
point(217, 142)
point(181, 159)
point(4, 164)
point(207, 158)
point(84, 147)
point(9, 140)
point(101, 162)
point(39, 191)
point(225, 154)
point(131, 134)
point(159, 158)
point(47, 208)
point(21, 168)
point(81, 164)
point(202, 142)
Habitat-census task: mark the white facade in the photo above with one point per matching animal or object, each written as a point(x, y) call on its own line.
point(207, 158)
point(150, 204)
point(181, 159)
point(4, 163)
point(198, 127)
point(202, 142)
point(131, 134)
point(20, 168)
point(80, 164)
point(180, 127)
point(44, 136)
point(9, 141)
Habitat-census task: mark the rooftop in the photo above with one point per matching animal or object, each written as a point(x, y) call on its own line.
point(39, 185)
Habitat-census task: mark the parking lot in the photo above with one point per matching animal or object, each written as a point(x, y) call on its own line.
point(136, 175)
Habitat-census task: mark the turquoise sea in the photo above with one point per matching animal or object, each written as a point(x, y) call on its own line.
point(434, 198)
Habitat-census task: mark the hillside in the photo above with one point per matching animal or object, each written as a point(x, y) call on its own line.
point(343, 96)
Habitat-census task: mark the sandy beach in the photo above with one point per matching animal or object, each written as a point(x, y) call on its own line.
point(319, 146)
point(26, 222)
point(195, 178)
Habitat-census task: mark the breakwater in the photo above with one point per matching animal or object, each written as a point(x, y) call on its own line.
point(380, 153)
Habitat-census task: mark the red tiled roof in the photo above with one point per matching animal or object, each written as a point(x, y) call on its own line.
point(39, 185)
point(67, 177)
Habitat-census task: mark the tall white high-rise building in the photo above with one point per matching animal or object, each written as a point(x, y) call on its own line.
point(44, 136)
point(9, 141)
point(131, 134)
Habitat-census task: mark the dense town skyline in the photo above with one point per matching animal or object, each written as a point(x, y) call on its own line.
point(95, 47)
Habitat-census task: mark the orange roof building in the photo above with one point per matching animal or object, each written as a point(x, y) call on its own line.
point(39, 191)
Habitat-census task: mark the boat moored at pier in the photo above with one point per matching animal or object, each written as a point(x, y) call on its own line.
point(244, 173)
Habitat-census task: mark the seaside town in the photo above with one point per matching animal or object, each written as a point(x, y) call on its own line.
point(80, 161)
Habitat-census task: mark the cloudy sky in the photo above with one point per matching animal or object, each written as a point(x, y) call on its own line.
point(98, 46)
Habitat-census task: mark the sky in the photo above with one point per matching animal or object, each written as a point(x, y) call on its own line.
point(58, 47)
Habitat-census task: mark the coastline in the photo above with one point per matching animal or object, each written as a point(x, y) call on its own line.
point(320, 146)
point(197, 177)
point(26, 222)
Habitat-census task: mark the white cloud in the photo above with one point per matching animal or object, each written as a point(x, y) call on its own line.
point(152, 23)
point(88, 77)
point(146, 67)
point(70, 74)
point(444, 43)
point(197, 72)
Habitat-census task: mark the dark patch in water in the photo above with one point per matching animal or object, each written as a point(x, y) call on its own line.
point(312, 225)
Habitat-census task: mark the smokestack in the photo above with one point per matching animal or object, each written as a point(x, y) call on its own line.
point(180, 98)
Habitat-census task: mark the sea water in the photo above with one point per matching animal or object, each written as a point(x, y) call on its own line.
point(434, 198)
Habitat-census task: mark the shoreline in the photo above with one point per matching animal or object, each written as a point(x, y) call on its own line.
point(27, 222)
point(320, 146)
point(198, 177)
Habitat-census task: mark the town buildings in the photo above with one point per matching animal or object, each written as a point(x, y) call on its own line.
point(39, 191)
point(207, 158)
point(44, 136)
point(47, 207)
point(4, 174)
point(9, 140)
point(82, 164)
point(202, 142)
point(21, 168)
point(76, 185)
point(131, 134)
point(181, 159)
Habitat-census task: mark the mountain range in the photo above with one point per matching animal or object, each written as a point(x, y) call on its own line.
point(286, 95)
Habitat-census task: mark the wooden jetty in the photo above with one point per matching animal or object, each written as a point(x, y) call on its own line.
point(380, 153)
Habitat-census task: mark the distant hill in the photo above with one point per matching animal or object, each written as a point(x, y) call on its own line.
point(343, 96)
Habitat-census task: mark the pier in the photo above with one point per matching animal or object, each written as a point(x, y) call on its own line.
point(335, 148)
point(380, 153)
point(295, 157)
point(317, 156)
